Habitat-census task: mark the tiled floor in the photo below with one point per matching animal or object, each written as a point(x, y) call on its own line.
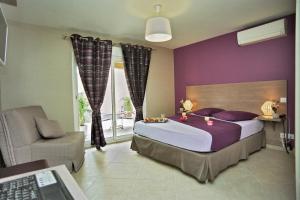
point(119, 173)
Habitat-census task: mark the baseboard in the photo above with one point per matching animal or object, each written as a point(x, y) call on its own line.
point(275, 147)
point(278, 148)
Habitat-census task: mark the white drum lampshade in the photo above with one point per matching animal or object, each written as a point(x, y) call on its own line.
point(158, 29)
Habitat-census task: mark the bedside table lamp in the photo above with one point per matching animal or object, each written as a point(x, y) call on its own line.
point(187, 105)
point(268, 109)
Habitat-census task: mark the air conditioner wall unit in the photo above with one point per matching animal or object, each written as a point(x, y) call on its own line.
point(262, 33)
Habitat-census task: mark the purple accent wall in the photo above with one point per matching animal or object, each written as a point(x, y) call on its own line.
point(221, 60)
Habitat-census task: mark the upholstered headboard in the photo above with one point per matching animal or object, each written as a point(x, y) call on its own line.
point(246, 96)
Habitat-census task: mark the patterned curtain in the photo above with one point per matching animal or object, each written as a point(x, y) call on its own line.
point(137, 61)
point(93, 57)
point(2, 164)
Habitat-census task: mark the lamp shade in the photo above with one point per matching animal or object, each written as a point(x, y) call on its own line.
point(188, 105)
point(266, 108)
point(158, 29)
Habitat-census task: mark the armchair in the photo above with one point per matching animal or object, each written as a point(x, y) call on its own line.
point(21, 142)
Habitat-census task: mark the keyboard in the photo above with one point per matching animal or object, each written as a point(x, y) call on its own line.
point(41, 186)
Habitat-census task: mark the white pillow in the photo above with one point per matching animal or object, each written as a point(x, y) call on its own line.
point(49, 128)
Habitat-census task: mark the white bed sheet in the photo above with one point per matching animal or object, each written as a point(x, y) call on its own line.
point(176, 134)
point(250, 127)
point(188, 137)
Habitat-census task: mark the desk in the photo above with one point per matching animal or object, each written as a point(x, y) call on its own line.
point(64, 174)
point(23, 168)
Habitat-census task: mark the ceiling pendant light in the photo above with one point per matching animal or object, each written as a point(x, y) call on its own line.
point(158, 29)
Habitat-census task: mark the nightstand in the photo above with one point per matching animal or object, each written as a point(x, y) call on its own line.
point(273, 120)
point(281, 120)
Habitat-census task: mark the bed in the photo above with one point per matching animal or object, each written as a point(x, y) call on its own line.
point(188, 137)
point(202, 166)
point(191, 149)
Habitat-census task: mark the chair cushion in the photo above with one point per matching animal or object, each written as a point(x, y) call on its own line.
point(64, 150)
point(49, 128)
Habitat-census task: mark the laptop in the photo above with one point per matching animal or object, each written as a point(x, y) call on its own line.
point(45, 185)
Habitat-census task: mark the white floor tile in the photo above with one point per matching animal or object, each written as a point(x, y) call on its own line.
point(119, 173)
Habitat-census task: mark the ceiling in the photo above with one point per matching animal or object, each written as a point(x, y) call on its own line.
point(191, 20)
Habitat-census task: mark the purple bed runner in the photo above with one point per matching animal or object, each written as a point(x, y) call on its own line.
point(223, 133)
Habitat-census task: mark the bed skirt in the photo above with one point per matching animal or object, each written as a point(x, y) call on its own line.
point(202, 166)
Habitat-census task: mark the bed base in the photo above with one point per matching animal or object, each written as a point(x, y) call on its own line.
point(202, 166)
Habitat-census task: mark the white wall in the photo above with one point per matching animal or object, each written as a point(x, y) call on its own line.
point(39, 71)
point(297, 111)
point(160, 88)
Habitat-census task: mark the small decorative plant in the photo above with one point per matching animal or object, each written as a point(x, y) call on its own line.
point(275, 106)
point(181, 108)
point(127, 104)
point(83, 107)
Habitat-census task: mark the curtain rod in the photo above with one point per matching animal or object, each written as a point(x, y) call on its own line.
point(118, 44)
point(65, 37)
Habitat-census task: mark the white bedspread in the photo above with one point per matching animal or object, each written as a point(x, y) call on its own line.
point(188, 137)
point(250, 127)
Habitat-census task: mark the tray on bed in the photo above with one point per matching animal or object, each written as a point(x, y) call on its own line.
point(155, 120)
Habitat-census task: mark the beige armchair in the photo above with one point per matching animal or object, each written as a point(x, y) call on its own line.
point(21, 142)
